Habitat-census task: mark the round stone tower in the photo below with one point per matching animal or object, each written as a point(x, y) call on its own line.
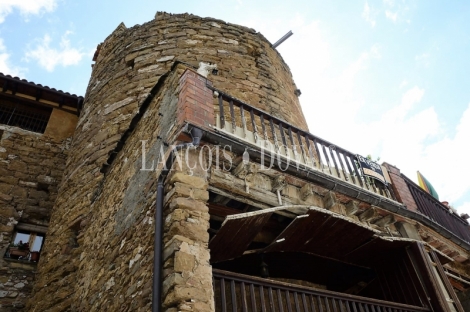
point(101, 222)
point(248, 67)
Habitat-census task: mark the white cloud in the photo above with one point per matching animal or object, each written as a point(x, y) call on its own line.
point(397, 11)
point(423, 59)
point(26, 7)
point(445, 162)
point(5, 65)
point(391, 16)
point(368, 15)
point(464, 208)
point(49, 57)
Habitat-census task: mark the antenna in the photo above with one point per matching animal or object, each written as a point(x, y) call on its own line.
point(284, 38)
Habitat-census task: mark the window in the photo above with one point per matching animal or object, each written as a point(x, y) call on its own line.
point(28, 117)
point(25, 245)
point(34, 240)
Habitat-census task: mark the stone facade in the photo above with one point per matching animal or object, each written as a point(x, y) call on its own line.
point(132, 97)
point(143, 98)
point(31, 166)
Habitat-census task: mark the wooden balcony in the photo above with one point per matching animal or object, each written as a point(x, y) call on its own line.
point(289, 146)
point(236, 292)
point(436, 212)
point(281, 140)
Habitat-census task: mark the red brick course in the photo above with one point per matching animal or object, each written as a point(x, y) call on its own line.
point(400, 188)
point(195, 103)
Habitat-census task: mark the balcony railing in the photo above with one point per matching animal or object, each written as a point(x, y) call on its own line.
point(289, 142)
point(437, 212)
point(235, 292)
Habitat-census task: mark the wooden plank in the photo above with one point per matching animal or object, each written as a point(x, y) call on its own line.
point(253, 297)
point(238, 234)
point(438, 299)
point(261, 296)
point(446, 282)
point(279, 300)
point(222, 295)
point(244, 302)
point(234, 295)
point(239, 230)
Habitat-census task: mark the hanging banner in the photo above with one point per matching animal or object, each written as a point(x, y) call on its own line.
point(371, 169)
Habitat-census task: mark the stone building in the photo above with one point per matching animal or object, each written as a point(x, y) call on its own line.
point(192, 126)
point(36, 126)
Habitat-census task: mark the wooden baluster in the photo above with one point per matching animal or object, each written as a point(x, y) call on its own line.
point(263, 127)
point(348, 165)
point(242, 112)
point(332, 150)
point(304, 302)
point(253, 124)
point(341, 163)
point(234, 296)
point(296, 300)
point(326, 158)
point(354, 307)
point(232, 115)
point(320, 307)
point(222, 295)
point(354, 165)
point(313, 304)
point(327, 305)
point(292, 142)
point(221, 111)
point(253, 298)
point(261, 295)
point(289, 305)
point(310, 152)
point(279, 300)
point(271, 299)
point(284, 141)
point(302, 148)
point(244, 302)
point(273, 131)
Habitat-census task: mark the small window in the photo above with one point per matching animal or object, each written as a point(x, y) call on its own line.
point(32, 239)
point(28, 117)
point(25, 246)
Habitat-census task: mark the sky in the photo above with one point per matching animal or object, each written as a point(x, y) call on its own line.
point(387, 78)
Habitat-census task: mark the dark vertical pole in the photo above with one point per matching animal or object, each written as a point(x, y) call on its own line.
point(221, 112)
point(157, 256)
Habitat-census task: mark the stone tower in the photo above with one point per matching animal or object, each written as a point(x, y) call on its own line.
point(98, 252)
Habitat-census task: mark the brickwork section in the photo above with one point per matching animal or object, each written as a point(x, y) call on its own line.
point(195, 103)
point(400, 188)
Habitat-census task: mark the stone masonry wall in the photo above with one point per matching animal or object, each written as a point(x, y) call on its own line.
point(107, 253)
point(31, 166)
point(93, 214)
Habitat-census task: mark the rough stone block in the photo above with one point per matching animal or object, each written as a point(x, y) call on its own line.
point(196, 182)
point(184, 262)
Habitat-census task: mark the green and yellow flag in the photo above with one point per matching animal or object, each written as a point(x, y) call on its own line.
point(425, 185)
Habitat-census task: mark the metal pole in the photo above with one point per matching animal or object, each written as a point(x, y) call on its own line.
point(284, 38)
point(157, 256)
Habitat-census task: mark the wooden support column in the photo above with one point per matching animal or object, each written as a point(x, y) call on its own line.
point(434, 283)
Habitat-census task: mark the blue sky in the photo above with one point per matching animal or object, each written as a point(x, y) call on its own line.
point(388, 78)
